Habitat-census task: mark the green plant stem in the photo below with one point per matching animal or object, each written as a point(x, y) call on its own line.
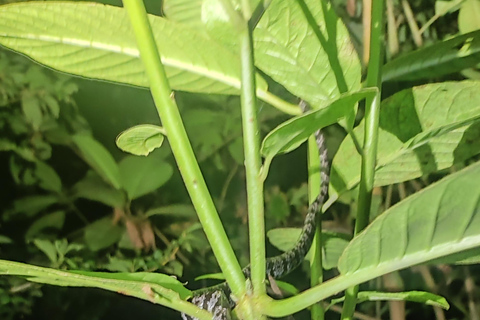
point(278, 103)
point(251, 142)
point(316, 269)
point(372, 111)
point(258, 12)
point(181, 148)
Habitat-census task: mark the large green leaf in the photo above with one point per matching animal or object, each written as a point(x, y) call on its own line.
point(96, 41)
point(311, 56)
point(311, 63)
point(187, 12)
point(422, 130)
point(469, 16)
point(140, 176)
point(442, 58)
point(154, 287)
point(98, 157)
point(438, 221)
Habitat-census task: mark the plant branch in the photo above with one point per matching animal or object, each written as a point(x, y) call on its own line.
point(278, 103)
point(372, 106)
point(181, 147)
point(251, 140)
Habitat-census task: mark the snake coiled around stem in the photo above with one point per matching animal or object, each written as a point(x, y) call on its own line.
point(217, 299)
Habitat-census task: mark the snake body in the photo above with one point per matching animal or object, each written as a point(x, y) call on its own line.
point(217, 299)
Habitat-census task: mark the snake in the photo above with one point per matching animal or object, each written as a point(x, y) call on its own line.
point(217, 299)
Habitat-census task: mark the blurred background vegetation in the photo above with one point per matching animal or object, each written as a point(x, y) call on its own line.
point(56, 212)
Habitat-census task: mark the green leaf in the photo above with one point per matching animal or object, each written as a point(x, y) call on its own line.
point(34, 204)
point(47, 247)
point(292, 133)
point(177, 210)
point(215, 276)
point(469, 16)
point(96, 41)
point(422, 130)
point(48, 178)
point(141, 140)
point(154, 287)
point(466, 257)
point(439, 59)
point(216, 21)
point(31, 109)
point(140, 176)
point(102, 234)
point(287, 287)
point(333, 244)
point(312, 62)
point(413, 296)
point(92, 187)
point(438, 221)
point(52, 220)
point(5, 240)
point(444, 7)
point(187, 12)
point(278, 207)
point(98, 157)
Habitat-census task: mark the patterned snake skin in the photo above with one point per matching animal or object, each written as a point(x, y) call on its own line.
point(217, 299)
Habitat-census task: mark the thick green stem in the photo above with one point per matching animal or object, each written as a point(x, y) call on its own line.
point(316, 269)
point(251, 142)
point(372, 111)
point(181, 147)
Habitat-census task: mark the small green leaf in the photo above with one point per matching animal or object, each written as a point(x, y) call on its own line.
point(292, 133)
point(52, 105)
point(94, 188)
point(141, 140)
point(31, 109)
point(277, 205)
point(48, 178)
point(98, 157)
point(140, 176)
point(287, 287)
point(52, 220)
point(34, 204)
point(47, 247)
point(5, 240)
point(215, 276)
point(176, 210)
point(413, 296)
point(102, 234)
